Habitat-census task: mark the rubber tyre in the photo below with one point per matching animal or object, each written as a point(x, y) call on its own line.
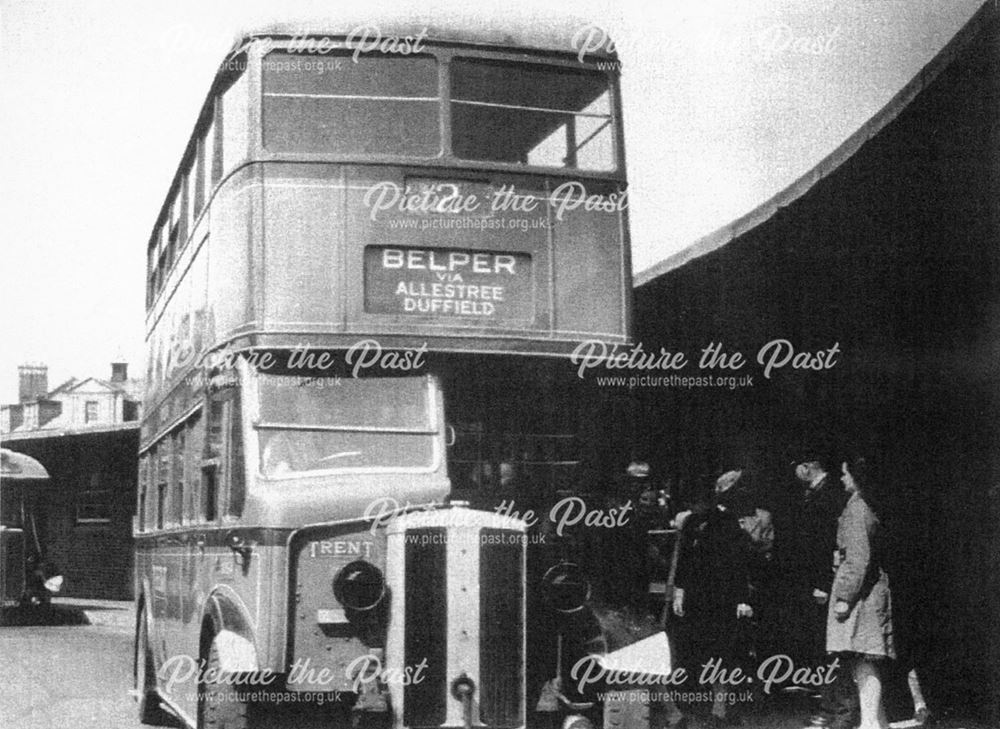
point(218, 707)
point(150, 711)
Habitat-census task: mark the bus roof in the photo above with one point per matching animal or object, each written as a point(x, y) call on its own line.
point(547, 35)
point(554, 35)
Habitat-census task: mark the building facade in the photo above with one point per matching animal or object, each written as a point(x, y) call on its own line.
point(85, 433)
point(888, 250)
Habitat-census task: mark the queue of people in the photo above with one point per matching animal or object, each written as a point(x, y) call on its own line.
point(821, 593)
point(740, 585)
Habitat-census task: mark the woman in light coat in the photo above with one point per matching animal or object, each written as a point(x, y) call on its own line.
point(860, 616)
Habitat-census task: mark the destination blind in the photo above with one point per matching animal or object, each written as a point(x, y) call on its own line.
point(448, 282)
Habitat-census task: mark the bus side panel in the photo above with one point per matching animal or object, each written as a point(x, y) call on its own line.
point(589, 248)
point(304, 267)
point(270, 611)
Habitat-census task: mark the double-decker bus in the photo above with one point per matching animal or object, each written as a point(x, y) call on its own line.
point(363, 290)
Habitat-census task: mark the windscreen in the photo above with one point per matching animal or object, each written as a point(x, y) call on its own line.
point(325, 423)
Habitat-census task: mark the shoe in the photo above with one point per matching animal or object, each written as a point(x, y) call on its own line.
point(922, 716)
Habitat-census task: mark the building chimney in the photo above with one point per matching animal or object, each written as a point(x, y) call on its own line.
point(33, 382)
point(119, 371)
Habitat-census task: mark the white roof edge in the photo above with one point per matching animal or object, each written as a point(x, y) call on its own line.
point(550, 32)
point(888, 113)
point(41, 433)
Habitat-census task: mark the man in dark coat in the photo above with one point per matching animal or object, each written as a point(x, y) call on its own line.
point(713, 585)
point(808, 560)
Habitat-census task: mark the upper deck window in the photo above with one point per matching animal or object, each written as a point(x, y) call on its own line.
point(531, 115)
point(374, 104)
point(235, 115)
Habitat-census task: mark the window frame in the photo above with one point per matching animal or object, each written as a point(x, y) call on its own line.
point(249, 65)
point(435, 433)
point(179, 452)
point(570, 129)
point(444, 55)
point(142, 489)
point(345, 55)
point(101, 497)
point(87, 404)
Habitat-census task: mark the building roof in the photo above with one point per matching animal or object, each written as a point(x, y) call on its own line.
point(41, 433)
point(129, 388)
point(718, 238)
point(67, 385)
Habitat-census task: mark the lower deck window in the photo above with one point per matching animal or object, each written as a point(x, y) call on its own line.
point(317, 424)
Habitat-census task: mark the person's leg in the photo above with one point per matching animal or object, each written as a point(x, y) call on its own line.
point(840, 696)
point(718, 699)
point(920, 712)
point(866, 676)
point(828, 705)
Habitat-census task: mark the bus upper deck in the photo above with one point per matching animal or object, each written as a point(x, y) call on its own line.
point(467, 196)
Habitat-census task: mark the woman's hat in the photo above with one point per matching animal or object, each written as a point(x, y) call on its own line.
point(638, 469)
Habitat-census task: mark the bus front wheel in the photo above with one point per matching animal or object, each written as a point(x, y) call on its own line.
point(150, 711)
point(219, 703)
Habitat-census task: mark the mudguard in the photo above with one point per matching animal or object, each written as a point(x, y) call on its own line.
point(233, 632)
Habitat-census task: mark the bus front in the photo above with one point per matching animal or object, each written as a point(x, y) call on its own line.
point(468, 201)
point(405, 248)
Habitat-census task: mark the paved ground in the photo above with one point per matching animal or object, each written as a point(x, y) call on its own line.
point(71, 668)
point(66, 677)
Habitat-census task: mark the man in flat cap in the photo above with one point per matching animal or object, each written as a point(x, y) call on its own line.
point(808, 562)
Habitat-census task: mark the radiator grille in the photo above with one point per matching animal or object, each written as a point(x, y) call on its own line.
point(426, 621)
point(501, 628)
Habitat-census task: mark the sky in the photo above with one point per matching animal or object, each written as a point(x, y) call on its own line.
point(726, 102)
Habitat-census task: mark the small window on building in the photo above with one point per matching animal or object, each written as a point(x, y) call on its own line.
point(195, 442)
point(216, 414)
point(93, 506)
point(162, 481)
point(179, 474)
point(149, 515)
point(141, 500)
point(91, 411)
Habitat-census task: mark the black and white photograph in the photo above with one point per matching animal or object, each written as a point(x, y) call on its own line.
point(538, 364)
